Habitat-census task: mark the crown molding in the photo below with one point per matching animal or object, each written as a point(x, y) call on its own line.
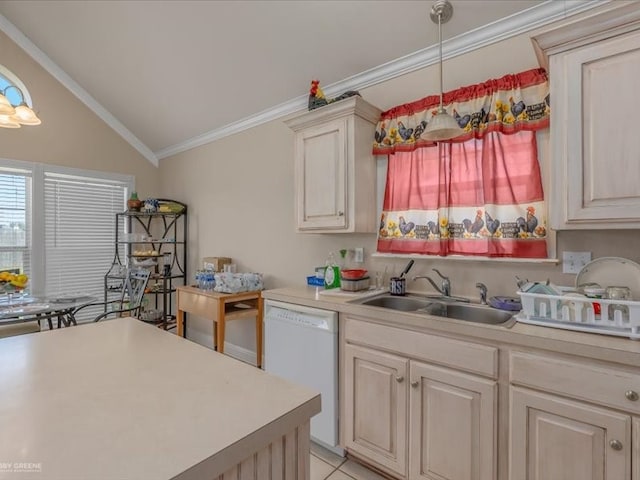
point(516, 24)
point(61, 76)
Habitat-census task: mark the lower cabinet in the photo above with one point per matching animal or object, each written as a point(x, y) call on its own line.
point(398, 412)
point(375, 407)
point(556, 438)
point(452, 424)
point(421, 406)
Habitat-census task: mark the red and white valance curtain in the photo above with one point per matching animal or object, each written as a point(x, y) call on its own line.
point(478, 194)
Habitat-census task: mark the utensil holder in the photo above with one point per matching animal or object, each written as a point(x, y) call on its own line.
point(398, 286)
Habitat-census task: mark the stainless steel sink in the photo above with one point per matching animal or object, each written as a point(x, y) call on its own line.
point(439, 308)
point(404, 304)
point(469, 313)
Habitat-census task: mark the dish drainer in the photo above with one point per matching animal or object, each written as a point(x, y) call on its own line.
point(577, 312)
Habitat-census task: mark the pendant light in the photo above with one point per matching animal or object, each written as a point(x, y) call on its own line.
point(442, 125)
point(14, 117)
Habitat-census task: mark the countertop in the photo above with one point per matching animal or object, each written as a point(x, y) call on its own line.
point(122, 399)
point(591, 345)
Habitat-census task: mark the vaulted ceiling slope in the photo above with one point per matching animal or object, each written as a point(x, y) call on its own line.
point(171, 75)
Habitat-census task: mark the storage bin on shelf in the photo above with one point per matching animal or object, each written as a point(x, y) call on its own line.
point(578, 312)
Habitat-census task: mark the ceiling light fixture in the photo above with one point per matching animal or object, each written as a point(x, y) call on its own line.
point(442, 125)
point(14, 117)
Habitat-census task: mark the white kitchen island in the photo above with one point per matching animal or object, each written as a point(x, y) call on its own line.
point(120, 399)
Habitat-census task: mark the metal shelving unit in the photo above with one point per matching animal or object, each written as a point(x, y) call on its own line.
point(156, 241)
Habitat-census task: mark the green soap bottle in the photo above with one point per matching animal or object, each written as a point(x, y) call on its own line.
point(331, 273)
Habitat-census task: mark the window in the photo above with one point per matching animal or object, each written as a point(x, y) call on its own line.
point(73, 225)
point(479, 194)
point(15, 220)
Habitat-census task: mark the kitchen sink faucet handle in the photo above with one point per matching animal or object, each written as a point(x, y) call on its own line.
point(446, 283)
point(483, 292)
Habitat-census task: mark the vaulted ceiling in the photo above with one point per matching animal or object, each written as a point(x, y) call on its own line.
point(169, 75)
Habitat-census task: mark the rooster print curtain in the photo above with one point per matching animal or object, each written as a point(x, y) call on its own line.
point(478, 194)
point(481, 197)
point(509, 104)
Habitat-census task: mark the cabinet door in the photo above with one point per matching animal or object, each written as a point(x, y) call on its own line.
point(321, 176)
point(552, 437)
point(452, 425)
point(375, 411)
point(635, 455)
point(594, 97)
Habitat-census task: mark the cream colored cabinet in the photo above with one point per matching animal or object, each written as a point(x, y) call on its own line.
point(376, 406)
point(594, 65)
point(635, 452)
point(572, 420)
point(452, 425)
point(335, 171)
point(413, 419)
point(553, 437)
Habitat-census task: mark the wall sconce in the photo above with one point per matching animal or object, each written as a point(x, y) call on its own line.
point(14, 117)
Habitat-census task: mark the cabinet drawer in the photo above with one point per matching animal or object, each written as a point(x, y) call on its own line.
point(606, 386)
point(198, 305)
point(458, 354)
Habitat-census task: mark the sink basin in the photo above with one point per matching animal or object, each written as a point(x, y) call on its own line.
point(438, 308)
point(470, 313)
point(404, 304)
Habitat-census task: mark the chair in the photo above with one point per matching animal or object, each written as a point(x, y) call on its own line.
point(130, 301)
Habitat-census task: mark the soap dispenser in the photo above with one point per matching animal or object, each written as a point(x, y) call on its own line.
point(331, 273)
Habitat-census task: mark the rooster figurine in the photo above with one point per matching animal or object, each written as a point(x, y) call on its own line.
point(317, 98)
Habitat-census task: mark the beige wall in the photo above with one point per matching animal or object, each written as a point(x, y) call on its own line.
point(71, 135)
point(240, 194)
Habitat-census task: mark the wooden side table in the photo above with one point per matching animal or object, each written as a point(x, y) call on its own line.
point(220, 308)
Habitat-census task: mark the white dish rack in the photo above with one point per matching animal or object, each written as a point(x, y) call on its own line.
point(576, 312)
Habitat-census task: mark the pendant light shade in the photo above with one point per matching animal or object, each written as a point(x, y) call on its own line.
point(5, 106)
point(14, 117)
point(442, 126)
point(7, 121)
point(26, 116)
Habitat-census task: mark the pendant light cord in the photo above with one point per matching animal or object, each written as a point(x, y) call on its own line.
point(440, 44)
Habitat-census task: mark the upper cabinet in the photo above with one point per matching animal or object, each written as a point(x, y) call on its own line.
point(335, 171)
point(594, 65)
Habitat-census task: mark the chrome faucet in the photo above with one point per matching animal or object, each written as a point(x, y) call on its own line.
point(483, 292)
point(444, 289)
point(446, 283)
point(441, 292)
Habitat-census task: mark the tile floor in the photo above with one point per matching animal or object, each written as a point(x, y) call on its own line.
point(326, 465)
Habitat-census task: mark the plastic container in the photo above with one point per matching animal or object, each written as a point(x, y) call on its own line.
point(354, 285)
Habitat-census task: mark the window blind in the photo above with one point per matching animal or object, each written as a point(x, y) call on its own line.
point(80, 233)
point(15, 220)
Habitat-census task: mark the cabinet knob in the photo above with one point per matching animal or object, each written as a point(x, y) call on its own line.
point(415, 384)
point(399, 378)
point(341, 214)
point(631, 395)
point(615, 444)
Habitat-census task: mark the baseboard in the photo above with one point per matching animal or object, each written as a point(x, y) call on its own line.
point(240, 353)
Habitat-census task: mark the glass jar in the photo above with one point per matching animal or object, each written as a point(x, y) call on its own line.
point(618, 293)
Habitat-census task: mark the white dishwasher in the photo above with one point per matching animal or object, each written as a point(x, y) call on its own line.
point(301, 345)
